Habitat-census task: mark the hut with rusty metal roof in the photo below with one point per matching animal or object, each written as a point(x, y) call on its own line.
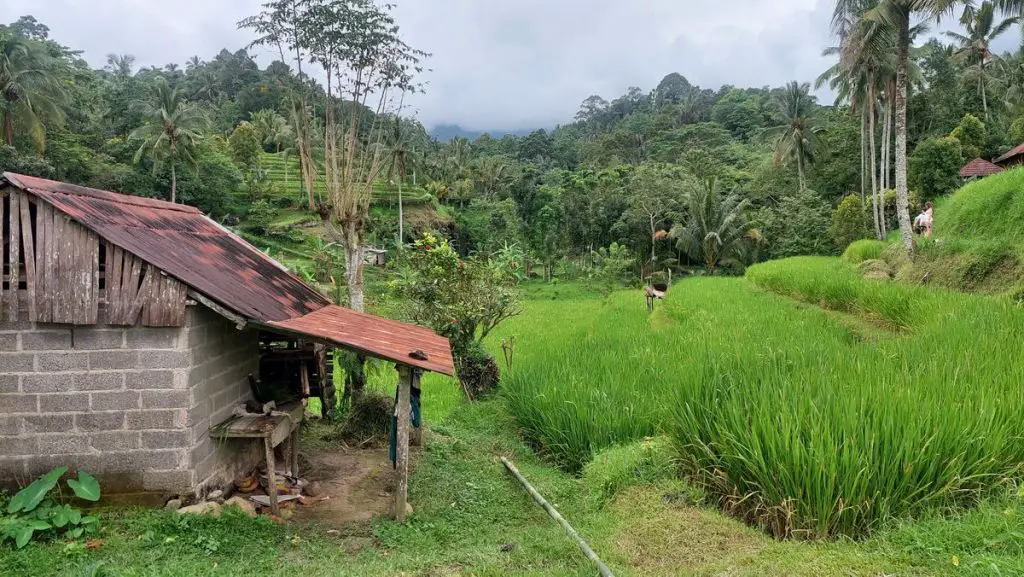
point(130, 327)
point(1013, 157)
point(979, 168)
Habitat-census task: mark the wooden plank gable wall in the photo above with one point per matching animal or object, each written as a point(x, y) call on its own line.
point(57, 271)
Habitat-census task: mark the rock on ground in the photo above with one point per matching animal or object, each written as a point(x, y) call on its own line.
point(242, 503)
point(173, 505)
point(205, 508)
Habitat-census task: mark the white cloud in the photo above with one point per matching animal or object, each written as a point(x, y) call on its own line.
point(497, 64)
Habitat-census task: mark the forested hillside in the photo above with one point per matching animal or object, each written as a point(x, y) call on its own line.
point(230, 137)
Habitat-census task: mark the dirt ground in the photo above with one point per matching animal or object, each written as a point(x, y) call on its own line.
point(357, 485)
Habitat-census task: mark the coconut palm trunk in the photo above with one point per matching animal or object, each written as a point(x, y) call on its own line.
point(174, 183)
point(902, 194)
point(874, 158)
point(863, 155)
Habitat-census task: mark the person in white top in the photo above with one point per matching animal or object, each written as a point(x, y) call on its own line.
point(925, 219)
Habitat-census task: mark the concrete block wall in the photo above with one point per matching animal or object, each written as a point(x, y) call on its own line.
point(128, 405)
point(222, 360)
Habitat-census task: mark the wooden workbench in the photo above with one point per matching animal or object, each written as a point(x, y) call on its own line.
point(273, 429)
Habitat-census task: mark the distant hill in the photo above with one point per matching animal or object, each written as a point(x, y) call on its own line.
point(446, 132)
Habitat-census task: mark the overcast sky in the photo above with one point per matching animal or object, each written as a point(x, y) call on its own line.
point(496, 64)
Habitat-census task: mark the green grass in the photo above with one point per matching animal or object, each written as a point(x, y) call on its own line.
point(862, 250)
point(467, 507)
point(789, 417)
point(978, 244)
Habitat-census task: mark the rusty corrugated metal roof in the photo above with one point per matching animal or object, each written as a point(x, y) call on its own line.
point(979, 167)
point(187, 245)
point(1013, 152)
point(374, 336)
point(184, 243)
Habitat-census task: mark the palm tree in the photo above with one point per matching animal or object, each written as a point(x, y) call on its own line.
point(895, 14)
point(866, 70)
point(797, 134)
point(120, 65)
point(30, 91)
point(974, 46)
point(171, 129)
point(717, 230)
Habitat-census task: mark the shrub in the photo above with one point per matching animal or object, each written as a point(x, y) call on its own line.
point(478, 371)
point(463, 300)
point(935, 167)
point(865, 249)
point(368, 419)
point(849, 222)
point(259, 217)
point(33, 512)
point(798, 225)
point(614, 266)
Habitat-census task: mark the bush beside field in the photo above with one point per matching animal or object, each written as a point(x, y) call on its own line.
point(786, 416)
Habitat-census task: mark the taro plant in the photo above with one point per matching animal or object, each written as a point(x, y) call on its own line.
point(35, 512)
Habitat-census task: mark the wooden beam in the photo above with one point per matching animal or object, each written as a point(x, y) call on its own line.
point(406, 376)
point(14, 253)
point(239, 320)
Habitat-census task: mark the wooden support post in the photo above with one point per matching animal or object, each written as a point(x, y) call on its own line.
point(268, 447)
point(293, 445)
point(405, 377)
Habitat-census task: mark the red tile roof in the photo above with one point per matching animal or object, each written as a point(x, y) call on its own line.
point(979, 167)
point(1014, 152)
point(207, 257)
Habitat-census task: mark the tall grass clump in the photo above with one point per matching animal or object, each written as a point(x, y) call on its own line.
point(862, 250)
point(781, 412)
point(986, 211)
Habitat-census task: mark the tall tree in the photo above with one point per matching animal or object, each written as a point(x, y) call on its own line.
point(170, 131)
point(982, 29)
point(896, 14)
point(797, 134)
point(31, 92)
point(365, 61)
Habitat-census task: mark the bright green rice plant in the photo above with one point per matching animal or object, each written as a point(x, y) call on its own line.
point(862, 250)
point(781, 412)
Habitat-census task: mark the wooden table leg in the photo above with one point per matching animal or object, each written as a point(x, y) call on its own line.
point(271, 475)
point(294, 446)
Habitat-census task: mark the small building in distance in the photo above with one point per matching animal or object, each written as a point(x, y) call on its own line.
point(374, 256)
point(1013, 157)
point(979, 168)
point(129, 327)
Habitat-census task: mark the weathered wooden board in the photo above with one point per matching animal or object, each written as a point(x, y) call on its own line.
point(13, 254)
point(52, 265)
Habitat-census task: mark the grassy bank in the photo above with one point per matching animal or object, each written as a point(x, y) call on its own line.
point(805, 421)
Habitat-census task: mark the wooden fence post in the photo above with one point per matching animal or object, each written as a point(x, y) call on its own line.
point(405, 377)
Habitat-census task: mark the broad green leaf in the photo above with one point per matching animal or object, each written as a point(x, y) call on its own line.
point(24, 536)
point(74, 516)
point(60, 516)
point(40, 525)
point(90, 520)
point(29, 498)
point(85, 487)
point(75, 533)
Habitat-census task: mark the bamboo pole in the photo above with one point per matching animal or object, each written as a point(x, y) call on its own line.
point(601, 567)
